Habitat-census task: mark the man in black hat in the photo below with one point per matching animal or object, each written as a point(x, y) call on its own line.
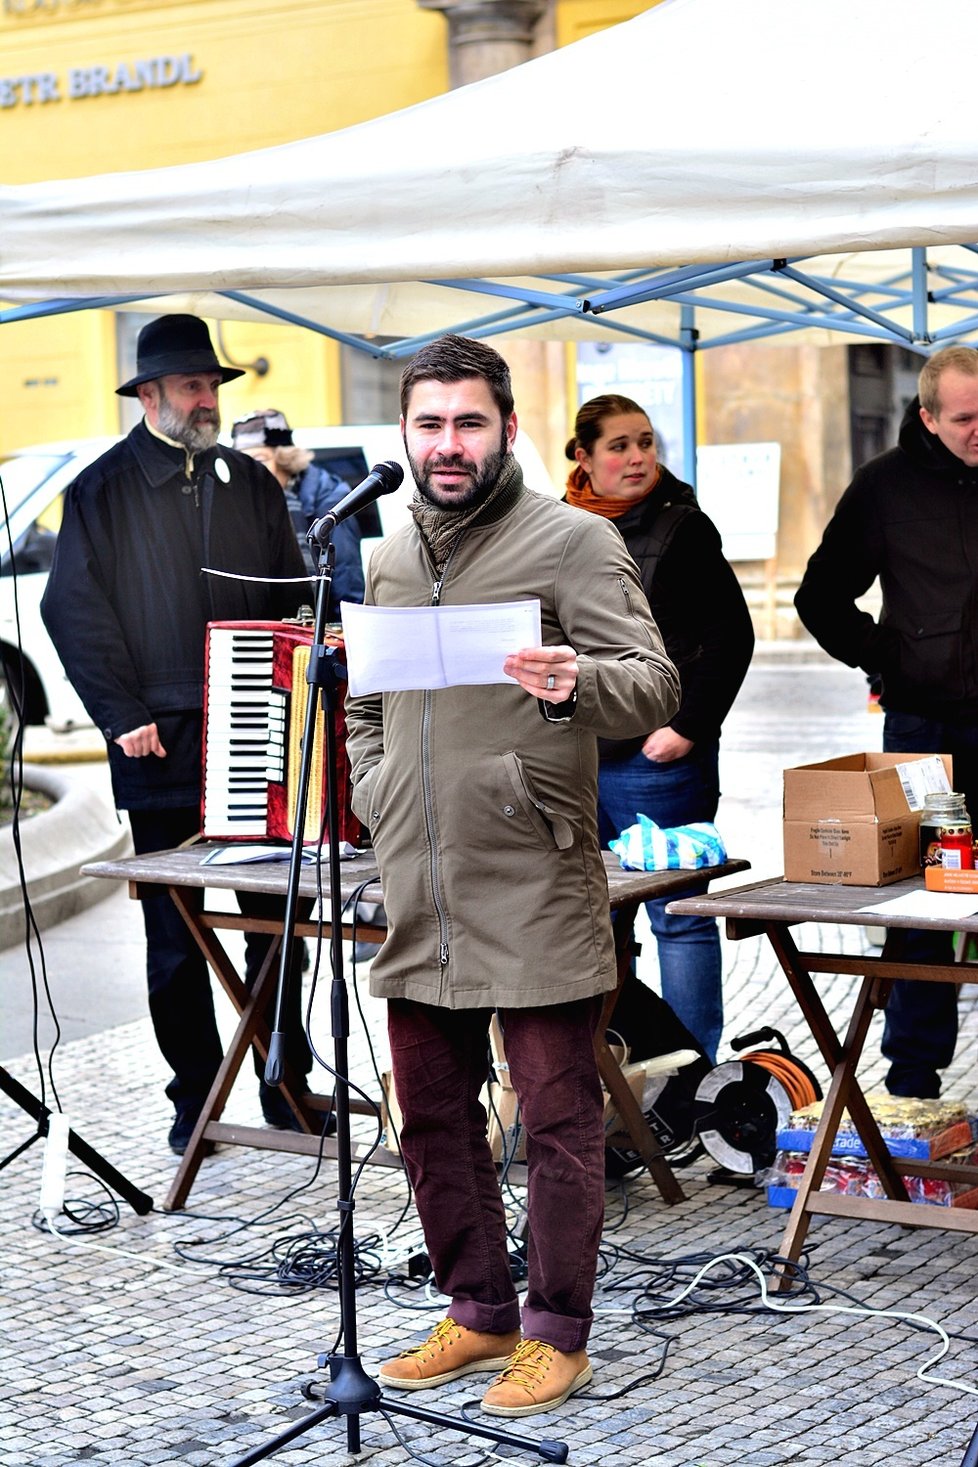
point(127, 604)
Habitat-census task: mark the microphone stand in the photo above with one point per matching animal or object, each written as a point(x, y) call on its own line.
point(350, 1392)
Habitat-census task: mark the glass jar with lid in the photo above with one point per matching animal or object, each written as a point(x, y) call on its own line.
point(946, 837)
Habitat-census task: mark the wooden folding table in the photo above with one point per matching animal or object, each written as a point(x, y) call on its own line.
point(186, 877)
point(771, 908)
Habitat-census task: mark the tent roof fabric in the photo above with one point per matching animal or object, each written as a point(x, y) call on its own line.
point(696, 137)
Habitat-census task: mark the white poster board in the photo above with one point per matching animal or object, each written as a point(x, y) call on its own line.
point(737, 485)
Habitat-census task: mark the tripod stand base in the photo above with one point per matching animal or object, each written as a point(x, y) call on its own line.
point(87, 1155)
point(352, 1393)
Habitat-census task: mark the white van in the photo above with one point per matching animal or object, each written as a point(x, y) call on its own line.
point(33, 483)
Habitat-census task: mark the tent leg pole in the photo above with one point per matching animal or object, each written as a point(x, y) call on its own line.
point(688, 335)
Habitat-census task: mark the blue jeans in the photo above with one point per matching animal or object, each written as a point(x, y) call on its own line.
point(920, 1029)
point(684, 790)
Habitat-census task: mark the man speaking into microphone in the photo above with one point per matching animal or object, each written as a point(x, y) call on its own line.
point(482, 806)
point(127, 607)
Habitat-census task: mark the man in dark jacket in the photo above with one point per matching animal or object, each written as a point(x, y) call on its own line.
point(127, 604)
point(910, 517)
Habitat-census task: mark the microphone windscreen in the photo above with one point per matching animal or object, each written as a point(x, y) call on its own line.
point(390, 475)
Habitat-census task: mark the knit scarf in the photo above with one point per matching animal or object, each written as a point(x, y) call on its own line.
point(581, 495)
point(441, 529)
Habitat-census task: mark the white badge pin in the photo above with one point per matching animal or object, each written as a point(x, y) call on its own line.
point(222, 471)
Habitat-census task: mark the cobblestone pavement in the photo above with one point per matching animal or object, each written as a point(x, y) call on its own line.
point(167, 1339)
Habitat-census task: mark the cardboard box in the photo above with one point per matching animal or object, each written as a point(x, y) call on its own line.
point(848, 820)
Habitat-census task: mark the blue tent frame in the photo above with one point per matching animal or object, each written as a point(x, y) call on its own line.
point(790, 299)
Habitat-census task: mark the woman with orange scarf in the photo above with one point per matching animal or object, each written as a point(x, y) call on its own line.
point(672, 776)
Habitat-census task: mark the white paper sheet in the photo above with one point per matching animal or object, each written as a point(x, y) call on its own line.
point(243, 855)
point(391, 648)
point(943, 904)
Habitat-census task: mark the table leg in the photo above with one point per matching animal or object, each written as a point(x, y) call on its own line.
point(836, 1099)
point(629, 1111)
point(251, 1029)
point(835, 1054)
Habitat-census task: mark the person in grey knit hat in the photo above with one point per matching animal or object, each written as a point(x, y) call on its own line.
point(310, 492)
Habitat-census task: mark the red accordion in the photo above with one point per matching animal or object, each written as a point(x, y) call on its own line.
point(255, 698)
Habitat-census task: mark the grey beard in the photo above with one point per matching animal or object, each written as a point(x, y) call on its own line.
point(195, 436)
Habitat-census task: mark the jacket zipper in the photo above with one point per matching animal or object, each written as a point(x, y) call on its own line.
point(426, 791)
point(628, 599)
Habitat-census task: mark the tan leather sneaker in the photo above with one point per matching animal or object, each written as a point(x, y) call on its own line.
point(449, 1351)
point(537, 1378)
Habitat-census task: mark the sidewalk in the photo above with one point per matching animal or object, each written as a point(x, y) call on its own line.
point(121, 1351)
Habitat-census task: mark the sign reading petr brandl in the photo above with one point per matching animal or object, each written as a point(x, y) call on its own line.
point(153, 73)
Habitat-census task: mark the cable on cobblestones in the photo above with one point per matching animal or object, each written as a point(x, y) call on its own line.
point(755, 1268)
point(300, 1264)
point(476, 1461)
point(84, 1216)
point(734, 1292)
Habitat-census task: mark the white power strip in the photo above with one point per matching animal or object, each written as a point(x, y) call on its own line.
point(55, 1165)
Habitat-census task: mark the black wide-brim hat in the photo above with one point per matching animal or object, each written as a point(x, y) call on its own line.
point(174, 344)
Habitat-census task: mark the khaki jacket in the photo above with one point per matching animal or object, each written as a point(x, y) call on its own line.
point(482, 812)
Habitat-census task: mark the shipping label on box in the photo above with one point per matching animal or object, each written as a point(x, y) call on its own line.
point(849, 820)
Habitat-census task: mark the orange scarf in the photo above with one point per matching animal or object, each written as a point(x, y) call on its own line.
point(582, 496)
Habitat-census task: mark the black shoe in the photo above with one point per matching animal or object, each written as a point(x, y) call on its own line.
point(913, 1085)
point(184, 1125)
point(277, 1112)
point(276, 1109)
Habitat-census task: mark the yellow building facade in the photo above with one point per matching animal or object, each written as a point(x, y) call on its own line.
point(94, 86)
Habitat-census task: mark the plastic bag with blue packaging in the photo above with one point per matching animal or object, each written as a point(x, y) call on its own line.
point(646, 846)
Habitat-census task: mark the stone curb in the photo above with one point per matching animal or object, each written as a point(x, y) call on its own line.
point(54, 845)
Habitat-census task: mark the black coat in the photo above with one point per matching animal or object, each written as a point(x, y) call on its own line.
point(127, 605)
point(696, 601)
point(909, 517)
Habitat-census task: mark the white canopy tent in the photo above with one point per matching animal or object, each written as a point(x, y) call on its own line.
point(711, 171)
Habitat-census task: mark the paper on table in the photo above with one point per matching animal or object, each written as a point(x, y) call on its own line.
point(927, 904)
point(391, 648)
point(243, 855)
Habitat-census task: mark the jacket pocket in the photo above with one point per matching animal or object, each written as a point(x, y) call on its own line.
point(930, 654)
point(364, 795)
point(552, 828)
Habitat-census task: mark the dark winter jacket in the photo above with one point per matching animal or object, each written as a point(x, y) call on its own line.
point(317, 492)
point(909, 517)
point(127, 605)
point(697, 604)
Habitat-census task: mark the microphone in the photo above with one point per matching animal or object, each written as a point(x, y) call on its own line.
point(383, 479)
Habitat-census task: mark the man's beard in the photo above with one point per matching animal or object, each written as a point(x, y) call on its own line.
point(481, 483)
point(196, 430)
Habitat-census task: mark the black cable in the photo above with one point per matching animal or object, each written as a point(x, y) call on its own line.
point(83, 1216)
point(308, 1261)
